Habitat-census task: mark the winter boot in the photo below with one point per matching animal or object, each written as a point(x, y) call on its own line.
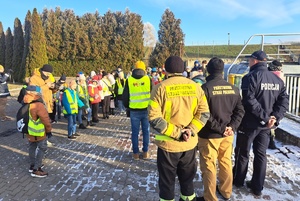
point(272, 143)
point(113, 111)
point(90, 123)
point(81, 126)
point(107, 115)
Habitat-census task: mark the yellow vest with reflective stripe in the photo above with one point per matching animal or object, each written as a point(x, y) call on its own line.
point(73, 103)
point(139, 92)
point(91, 98)
point(120, 87)
point(82, 91)
point(35, 128)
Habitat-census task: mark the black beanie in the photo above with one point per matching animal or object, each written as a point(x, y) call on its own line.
point(47, 68)
point(104, 73)
point(63, 78)
point(174, 64)
point(275, 66)
point(215, 66)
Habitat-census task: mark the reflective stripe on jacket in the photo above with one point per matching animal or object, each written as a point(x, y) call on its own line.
point(177, 103)
point(73, 103)
point(120, 87)
point(4, 92)
point(139, 90)
point(83, 94)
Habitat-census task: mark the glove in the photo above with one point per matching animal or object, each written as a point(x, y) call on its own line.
point(49, 134)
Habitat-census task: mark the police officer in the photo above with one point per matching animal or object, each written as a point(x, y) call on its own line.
point(216, 138)
point(265, 101)
point(178, 110)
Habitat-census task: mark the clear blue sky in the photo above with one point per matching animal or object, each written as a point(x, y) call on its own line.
point(202, 21)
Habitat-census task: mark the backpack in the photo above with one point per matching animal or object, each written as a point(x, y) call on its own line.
point(22, 118)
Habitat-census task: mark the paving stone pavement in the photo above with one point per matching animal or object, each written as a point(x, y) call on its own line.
point(96, 166)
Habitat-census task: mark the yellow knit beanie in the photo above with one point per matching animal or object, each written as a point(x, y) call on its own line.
point(140, 65)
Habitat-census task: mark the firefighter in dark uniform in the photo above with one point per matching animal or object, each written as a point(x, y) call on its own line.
point(216, 137)
point(265, 101)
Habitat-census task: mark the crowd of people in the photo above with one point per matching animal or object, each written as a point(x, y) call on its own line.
point(193, 110)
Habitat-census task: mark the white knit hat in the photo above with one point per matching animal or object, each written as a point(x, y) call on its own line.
point(82, 77)
point(93, 73)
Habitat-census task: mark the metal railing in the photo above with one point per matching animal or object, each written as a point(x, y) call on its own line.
point(262, 45)
point(293, 89)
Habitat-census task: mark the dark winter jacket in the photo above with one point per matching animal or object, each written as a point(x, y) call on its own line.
point(264, 95)
point(22, 94)
point(225, 107)
point(4, 92)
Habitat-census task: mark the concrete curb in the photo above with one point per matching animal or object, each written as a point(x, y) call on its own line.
point(288, 130)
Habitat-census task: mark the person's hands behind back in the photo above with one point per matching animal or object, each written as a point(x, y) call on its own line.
point(186, 134)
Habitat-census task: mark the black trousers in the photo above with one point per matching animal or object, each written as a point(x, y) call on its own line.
point(245, 138)
point(52, 115)
point(95, 107)
point(105, 105)
point(182, 164)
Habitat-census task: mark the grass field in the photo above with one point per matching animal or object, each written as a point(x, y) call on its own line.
point(224, 51)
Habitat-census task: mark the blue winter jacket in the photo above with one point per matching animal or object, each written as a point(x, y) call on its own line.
point(66, 103)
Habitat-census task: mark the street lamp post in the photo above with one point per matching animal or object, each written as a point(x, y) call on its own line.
point(228, 39)
point(228, 44)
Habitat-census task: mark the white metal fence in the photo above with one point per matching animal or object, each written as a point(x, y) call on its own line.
point(293, 89)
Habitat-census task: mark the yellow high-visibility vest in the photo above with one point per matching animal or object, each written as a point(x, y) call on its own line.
point(35, 128)
point(73, 103)
point(139, 90)
point(120, 87)
point(91, 98)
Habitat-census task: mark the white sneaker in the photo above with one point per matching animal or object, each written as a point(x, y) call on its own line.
point(49, 144)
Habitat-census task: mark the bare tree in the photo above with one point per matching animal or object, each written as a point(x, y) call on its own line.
point(149, 35)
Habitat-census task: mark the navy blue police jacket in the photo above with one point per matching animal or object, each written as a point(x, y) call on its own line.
point(263, 95)
point(225, 106)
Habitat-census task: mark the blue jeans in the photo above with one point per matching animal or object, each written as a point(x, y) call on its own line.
point(36, 152)
point(121, 106)
point(138, 118)
point(79, 116)
point(89, 115)
point(71, 124)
